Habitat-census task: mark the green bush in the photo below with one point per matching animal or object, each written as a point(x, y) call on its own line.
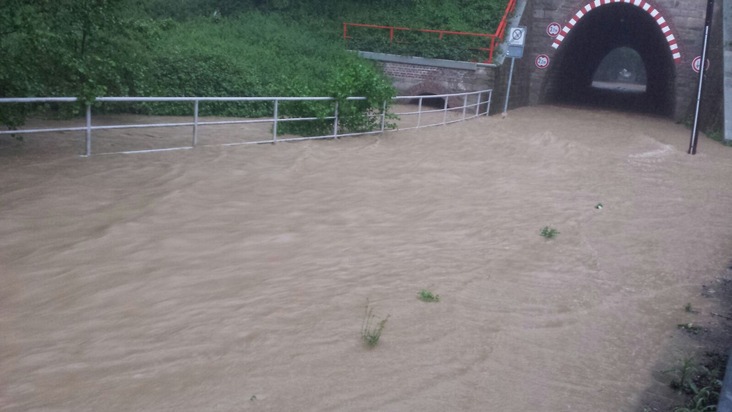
point(220, 48)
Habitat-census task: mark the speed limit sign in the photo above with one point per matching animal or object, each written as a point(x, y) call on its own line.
point(696, 64)
point(553, 29)
point(542, 61)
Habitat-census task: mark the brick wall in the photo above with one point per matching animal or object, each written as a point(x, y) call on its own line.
point(414, 79)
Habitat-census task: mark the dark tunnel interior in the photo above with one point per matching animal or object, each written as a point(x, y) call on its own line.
point(428, 101)
point(600, 32)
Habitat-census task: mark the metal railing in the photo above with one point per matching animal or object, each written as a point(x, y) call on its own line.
point(495, 38)
point(473, 104)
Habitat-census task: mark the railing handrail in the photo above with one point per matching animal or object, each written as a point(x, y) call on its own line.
point(275, 119)
point(497, 35)
point(209, 99)
point(501, 29)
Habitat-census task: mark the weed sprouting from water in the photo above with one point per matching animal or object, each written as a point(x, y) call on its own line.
point(690, 309)
point(700, 381)
point(548, 232)
point(683, 374)
point(372, 327)
point(690, 328)
point(427, 296)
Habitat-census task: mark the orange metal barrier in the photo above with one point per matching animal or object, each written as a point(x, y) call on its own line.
point(498, 35)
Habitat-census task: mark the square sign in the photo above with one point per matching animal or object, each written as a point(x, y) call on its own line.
point(515, 52)
point(517, 36)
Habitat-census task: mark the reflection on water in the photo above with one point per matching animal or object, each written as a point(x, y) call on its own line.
point(621, 87)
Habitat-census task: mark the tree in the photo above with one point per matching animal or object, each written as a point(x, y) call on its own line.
point(82, 48)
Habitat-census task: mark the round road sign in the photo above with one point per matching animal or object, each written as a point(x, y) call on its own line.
point(696, 64)
point(553, 29)
point(542, 61)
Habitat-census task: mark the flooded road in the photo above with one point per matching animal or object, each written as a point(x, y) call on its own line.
point(228, 279)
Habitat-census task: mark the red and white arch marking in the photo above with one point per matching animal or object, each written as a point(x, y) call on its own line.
point(643, 4)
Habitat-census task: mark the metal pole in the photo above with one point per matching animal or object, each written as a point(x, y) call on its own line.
point(508, 88)
point(274, 125)
point(195, 124)
point(477, 106)
point(88, 130)
point(702, 66)
point(383, 116)
point(335, 122)
point(465, 105)
point(419, 112)
point(444, 112)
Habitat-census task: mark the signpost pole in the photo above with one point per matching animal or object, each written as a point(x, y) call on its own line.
point(508, 88)
point(516, 42)
point(702, 68)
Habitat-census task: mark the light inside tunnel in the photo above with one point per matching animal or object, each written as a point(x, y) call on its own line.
point(621, 70)
point(614, 33)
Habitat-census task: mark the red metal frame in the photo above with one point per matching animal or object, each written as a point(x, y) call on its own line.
point(500, 31)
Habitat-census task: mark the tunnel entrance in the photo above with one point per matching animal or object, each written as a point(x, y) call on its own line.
point(428, 101)
point(615, 57)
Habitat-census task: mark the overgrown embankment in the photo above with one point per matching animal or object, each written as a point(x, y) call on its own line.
point(89, 48)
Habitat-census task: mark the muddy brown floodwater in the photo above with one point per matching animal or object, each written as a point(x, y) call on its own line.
point(235, 278)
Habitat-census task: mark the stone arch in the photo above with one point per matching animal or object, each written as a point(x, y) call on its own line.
point(431, 88)
point(611, 25)
point(642, 4)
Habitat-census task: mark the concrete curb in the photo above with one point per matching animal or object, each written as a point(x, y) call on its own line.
point(421, 61)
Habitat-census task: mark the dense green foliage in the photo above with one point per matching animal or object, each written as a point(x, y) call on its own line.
point(460, 15)
point(62, 47)
point(326, 16)
point(88, 48)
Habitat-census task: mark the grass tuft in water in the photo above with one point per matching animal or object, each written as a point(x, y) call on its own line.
point(372, 327)
point(427, 296)
point(549, 232)
point(690, 309)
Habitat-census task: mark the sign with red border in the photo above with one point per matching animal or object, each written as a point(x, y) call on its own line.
point(696, 64)
point(553, 29)
point(542, 61)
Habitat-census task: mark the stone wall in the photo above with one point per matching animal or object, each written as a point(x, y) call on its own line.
point(413, 76)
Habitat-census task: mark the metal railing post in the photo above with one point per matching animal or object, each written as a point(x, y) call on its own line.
point(419, 112)
point(477, 106)
point(195, 123)
point(444, 116)
point(274, 124)
point(465, 105)
point(88, 130)
point(383, 120)
point(335, 121)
